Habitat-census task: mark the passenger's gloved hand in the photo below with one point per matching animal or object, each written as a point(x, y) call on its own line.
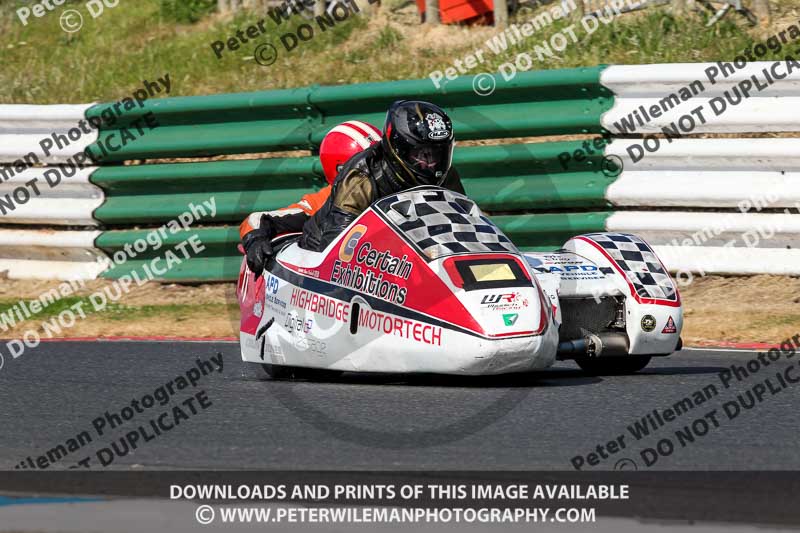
point(257, 246)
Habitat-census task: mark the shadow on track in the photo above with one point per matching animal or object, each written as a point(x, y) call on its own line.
point(554, 377)
point(566, 378)
point(680, 370)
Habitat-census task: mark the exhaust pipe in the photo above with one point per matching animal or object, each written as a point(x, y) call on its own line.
point(605, 344)
point(576, 347)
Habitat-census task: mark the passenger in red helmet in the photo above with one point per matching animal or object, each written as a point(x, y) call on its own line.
point(340, 144)
point(416, 149)
point(343, 142)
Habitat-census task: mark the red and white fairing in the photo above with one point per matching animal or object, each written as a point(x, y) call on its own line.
point(423, 282)
point(420, 282)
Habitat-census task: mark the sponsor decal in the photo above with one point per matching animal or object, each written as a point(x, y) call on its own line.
point(348, 247)
point(401, 327)
point(567, 269)
point(311, 344)
point(509, 301)
point(272, 284)
point(258, 309)
point(510, 319)
point(384, 261)
point(295, 324)
point(275, 303)
point(309, 272)
point(321, 305)
point(648, 323)
point(567, 266)
point(273, 349)
point(436, 126)
point(670, 327)
point(369, 272)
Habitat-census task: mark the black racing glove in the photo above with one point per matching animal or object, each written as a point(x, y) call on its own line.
point(258, 247)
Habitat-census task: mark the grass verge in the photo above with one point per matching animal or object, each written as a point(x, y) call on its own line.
point(112, 54)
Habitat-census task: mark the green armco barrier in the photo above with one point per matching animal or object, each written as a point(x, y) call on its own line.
point(231, 206)
point(202, 140)
point(226, 175)
point(529, 189)
point(159, 193)
point(209, 125)
point(528, 158)
point(503, 194)
point(524, 177)
point(545, 102)
point(501, 178)
point(549, 230)
point(280, 105)
point(221, 260)
point(533, 103)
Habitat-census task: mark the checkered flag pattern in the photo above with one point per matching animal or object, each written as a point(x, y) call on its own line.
point(639, 263)
point(440, 223)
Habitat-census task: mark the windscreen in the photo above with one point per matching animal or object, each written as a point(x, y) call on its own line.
point(492, 272)
point(439, 222)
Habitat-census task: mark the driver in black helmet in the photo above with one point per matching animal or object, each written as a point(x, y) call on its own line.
point(416, 149)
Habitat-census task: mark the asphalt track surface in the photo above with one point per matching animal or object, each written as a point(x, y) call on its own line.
point(535, 421)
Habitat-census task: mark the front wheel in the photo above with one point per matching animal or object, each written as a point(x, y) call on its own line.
point(278, 371)
point(613, 366)
point(281, 372)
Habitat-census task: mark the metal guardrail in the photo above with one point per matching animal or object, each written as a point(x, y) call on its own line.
point(539, 193)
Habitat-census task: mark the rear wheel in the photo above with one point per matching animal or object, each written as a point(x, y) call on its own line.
point(613, 366)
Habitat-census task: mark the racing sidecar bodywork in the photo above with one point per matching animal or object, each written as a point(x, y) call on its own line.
point(424, 282)
point(615, 301)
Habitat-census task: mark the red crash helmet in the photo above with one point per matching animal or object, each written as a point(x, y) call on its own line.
point(343, 142)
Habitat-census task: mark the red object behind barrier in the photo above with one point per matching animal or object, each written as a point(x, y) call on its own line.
point(453, 11)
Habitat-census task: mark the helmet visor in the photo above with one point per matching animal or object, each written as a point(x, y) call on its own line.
point(429, 162)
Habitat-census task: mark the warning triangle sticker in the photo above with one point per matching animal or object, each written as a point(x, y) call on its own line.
point(670, 327)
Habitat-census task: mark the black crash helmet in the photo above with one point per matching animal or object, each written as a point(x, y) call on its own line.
point(418, 140)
